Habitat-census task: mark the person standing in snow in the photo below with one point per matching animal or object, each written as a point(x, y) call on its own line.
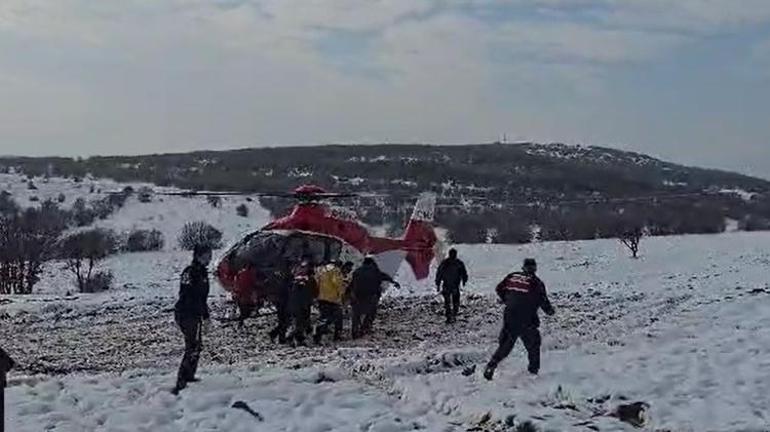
point(280, 287)
point(366, 290)
point(331, 290)
point(523, 293)
point(451, 273)
point(304, 290)
point(190, 311)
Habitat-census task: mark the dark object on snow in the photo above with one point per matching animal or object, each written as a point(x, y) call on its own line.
point(470, 370)
point(241, 405)
point(634, 414)
point(323, 378)
point(758, 291)
point(450, 275)
point(6, 364)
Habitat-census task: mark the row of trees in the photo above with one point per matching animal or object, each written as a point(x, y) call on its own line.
point(31, 237)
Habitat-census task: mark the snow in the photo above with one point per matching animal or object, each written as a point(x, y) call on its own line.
point(746, 196)
point(684, 328)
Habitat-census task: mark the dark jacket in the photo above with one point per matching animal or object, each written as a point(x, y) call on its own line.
point(193, 291)
point(367, 281)
point(451, 273)
point(523, 296)
point(303, 289)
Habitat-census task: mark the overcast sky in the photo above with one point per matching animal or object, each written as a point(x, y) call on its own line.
point(687, 80)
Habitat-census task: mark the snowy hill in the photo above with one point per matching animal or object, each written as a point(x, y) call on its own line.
point(685, 329)
point(571, 192)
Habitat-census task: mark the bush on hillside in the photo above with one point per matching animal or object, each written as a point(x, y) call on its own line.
point(199, 233)
point(27, 240)
point(82, 214)
point(144, 241)
point(242, 210)
point(214, 201)
point(98, 282)
point(83, 251)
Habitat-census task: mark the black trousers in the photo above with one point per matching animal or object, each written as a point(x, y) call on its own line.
point(193, 343)
point(364, 311)
point(451, 302)
point(530, 336)
point(331, 316)
point(301, 317)
point(284, 319)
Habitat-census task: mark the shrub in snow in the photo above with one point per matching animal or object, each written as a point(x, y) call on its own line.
point(82, 215)
point(242, 210)
point(61, 198)
point(34, 198)
point(83, 251)
point(145, 195)
point(214, 201)
point(754, 223)
point(7, 205)
point(27, 240)
point(144, 241)
point(199, 233)
point(98, 282)
point(102, 208)
point(31, 185)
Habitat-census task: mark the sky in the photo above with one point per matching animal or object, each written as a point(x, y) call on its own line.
point(685, 80)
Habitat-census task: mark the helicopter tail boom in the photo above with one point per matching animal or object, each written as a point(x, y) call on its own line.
point(420, 238)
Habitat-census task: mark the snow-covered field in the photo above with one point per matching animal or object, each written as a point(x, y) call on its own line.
point(685, 328)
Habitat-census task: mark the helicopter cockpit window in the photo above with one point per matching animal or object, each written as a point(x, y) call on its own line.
point(259, 249)
point(317, 249)
point(334, 250)
point(294, 249)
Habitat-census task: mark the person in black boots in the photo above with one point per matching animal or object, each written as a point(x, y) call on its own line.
point(523, 293)
point(365, 293)
point(190, 311)
point(451, 273)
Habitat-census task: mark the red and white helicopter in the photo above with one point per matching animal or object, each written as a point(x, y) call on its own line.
point(315, 229)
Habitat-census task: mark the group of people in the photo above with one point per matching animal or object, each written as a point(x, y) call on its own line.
point(334, 284)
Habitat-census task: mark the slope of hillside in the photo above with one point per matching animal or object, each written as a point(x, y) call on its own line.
point(684, 329)
point(486, 192)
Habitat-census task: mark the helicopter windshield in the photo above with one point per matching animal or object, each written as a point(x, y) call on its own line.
point(267, 249)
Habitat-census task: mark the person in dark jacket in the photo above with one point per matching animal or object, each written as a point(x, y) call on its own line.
point(365, 293)
point(523, 294)
point(304, 290)
point(190, 311)
point(451, 273)
point(280, 285)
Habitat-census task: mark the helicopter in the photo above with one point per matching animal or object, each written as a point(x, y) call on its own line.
point(251, 268)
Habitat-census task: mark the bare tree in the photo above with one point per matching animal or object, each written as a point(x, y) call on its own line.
point(27, 240)
point(632, 238)
point(83, 251)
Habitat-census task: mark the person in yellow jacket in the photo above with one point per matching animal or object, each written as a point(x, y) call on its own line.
point(332, 285)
